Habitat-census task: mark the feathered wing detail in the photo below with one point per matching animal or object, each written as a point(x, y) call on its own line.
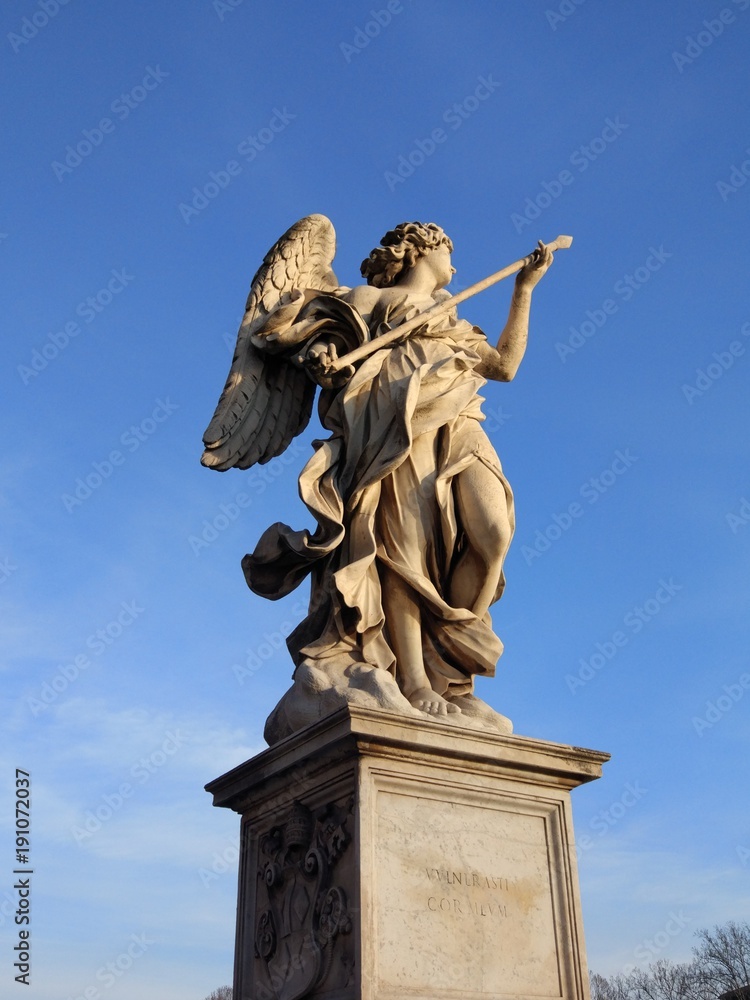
point(266, 399)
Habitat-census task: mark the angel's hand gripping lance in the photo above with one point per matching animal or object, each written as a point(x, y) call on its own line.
point(268, 398)
point(402, 331)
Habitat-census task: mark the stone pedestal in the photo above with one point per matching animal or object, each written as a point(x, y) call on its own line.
point(386, 858)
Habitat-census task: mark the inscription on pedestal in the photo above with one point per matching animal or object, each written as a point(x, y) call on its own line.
point(415, 864)
point(473, 899)
point(464, 878)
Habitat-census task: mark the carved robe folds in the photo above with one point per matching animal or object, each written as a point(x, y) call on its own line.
point(380, 489)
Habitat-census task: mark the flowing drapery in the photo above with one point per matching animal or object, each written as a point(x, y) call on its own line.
point(381, 490)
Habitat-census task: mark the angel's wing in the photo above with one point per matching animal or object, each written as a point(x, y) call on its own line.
point(267, 400)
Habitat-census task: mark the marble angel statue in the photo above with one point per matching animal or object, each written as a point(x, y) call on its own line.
point(413, 514)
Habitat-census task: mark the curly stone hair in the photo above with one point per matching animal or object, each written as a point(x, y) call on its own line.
point(402, 247)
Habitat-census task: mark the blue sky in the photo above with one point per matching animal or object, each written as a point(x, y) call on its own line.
point(137, 666)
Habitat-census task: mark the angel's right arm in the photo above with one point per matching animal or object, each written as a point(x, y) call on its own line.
point(501, 363)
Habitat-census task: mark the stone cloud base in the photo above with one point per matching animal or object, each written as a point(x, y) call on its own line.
point(386, 858)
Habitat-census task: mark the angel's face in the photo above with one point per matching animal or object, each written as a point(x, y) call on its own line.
point(439, 263)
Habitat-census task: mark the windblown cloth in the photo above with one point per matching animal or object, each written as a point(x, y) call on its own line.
point(381, 491)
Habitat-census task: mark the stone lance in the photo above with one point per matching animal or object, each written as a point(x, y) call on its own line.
point(439, 309)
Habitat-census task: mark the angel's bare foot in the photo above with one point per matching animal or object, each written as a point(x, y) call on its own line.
point(432, 703)
point(475, 708)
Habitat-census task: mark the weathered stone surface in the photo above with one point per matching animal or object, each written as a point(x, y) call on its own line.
point(413, 513)
point(388, 857)
point(317, 693)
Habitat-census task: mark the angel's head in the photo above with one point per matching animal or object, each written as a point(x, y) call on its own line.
point(401, 248)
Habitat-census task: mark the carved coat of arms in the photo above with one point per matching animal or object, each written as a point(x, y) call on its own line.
point(300, 909)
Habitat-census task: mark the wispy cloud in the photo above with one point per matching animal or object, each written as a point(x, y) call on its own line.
point(646, 883)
